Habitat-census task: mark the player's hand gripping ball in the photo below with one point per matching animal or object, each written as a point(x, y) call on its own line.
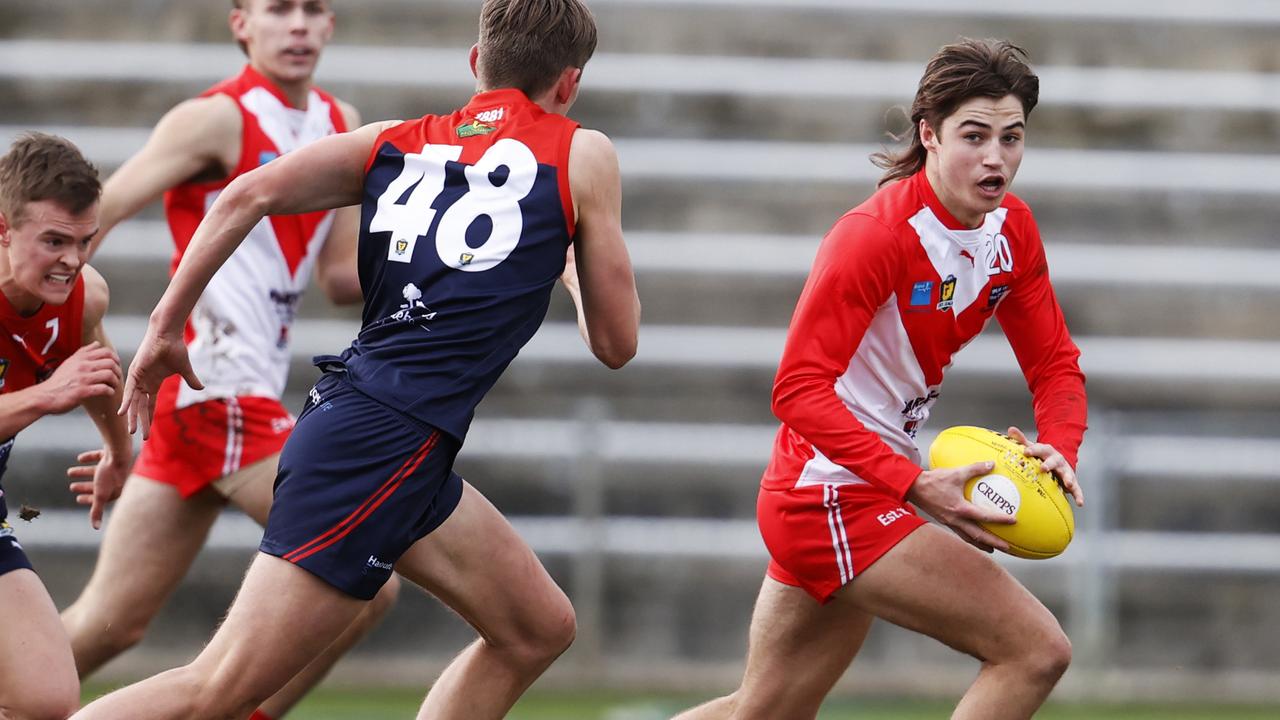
point(1016, 485)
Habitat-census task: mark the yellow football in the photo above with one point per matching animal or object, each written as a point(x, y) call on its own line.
point(1016, 485)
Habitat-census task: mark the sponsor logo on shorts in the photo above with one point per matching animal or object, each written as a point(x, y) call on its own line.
point(947, 293)
point(374, 562)
point(889, 518)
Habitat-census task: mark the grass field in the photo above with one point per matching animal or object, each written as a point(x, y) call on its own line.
point(400, 705)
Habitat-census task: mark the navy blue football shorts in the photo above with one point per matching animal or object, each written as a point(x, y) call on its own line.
point(359, 483)
point(12, 556)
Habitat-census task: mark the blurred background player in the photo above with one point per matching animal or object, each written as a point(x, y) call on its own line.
point(467, 219)
point(221, 444)
point(899, 285)
point(54, 355)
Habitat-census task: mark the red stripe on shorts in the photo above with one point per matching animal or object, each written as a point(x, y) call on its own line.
point(360, 514)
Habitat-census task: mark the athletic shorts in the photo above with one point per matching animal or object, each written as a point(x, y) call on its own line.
point(194, 446)
point(11, 555)
point(822, 536)
point(359, 483)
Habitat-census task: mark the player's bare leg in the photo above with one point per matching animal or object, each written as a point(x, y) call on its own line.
point(282, 619)
point(477, 565)
point(37, 673)
point(797, 651)
point(253, 495)
point(149, 544)
point(934, 583)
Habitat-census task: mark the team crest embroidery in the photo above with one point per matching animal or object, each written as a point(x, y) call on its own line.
point(466, 258)
point(482, 124)
point(474, 128)
point(4, 367)
point(947, 293)
point(401, 246)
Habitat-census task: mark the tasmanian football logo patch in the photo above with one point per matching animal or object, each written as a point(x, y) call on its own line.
point(947, 293)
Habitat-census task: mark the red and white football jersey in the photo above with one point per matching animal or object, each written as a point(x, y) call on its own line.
point(238, 335)
point(32, 347)
point(897, 288)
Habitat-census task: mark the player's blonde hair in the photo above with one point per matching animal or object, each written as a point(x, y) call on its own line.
point(45, 167)
point(956, 74)
point(526, 44)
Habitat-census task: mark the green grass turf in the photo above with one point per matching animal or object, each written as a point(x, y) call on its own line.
point(401, 705)
point(541, 706)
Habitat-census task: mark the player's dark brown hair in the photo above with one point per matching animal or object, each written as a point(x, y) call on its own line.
point(956, 74)
point(45, 167)
point(526, 44)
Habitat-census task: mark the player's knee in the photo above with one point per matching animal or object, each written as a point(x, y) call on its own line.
point(1054, 657)
point(547, 637)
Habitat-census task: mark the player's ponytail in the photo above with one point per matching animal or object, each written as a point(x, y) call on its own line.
point(957, 73)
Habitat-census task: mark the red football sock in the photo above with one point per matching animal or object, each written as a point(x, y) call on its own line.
point(259, 715)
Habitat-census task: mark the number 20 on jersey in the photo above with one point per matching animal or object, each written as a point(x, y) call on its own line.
point(405, 208)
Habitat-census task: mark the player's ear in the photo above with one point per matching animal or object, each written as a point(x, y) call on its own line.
point(566, 86)
point(237, 21)
point(928, 138)
point(475, 55)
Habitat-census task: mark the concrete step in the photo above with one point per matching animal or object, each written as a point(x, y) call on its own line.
point(662, 95)
point(755, 281)
point(1097, 33)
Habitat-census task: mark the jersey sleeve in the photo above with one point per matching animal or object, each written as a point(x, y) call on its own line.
point(1032, 321)
point(852, 277)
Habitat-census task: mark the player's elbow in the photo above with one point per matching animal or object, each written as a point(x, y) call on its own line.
point(616, 352)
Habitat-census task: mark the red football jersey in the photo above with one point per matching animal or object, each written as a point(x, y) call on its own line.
point(31, 348)
point(897, 288)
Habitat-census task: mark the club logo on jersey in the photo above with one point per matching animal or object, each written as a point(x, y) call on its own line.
point(466, 258)
point(947, 294)
point(917, 411)
point(474, 128)
point(413, 309)
point(286, 304)
point(402, 246)
point(996, 295)
point(267, 156)
point(922, 293)
point(4, 367)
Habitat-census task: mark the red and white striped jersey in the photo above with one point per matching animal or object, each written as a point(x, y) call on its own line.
point(897, 288)
point(238, 335)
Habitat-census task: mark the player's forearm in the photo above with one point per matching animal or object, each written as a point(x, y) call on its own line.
point(229, 221)
point(810, 407)
point(21, 408)
point(112, 426)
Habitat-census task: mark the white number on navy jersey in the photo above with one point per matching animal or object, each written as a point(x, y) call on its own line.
point(499, 201)
point(410, 220)
point(999, 256)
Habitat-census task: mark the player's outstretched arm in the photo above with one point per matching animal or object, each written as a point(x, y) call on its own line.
point(326, 174)
point(107, 468)
point(336, 271)
point(605, 287)
point(198, 138)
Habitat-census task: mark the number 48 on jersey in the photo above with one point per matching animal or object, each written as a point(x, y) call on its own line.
point(496, 184)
